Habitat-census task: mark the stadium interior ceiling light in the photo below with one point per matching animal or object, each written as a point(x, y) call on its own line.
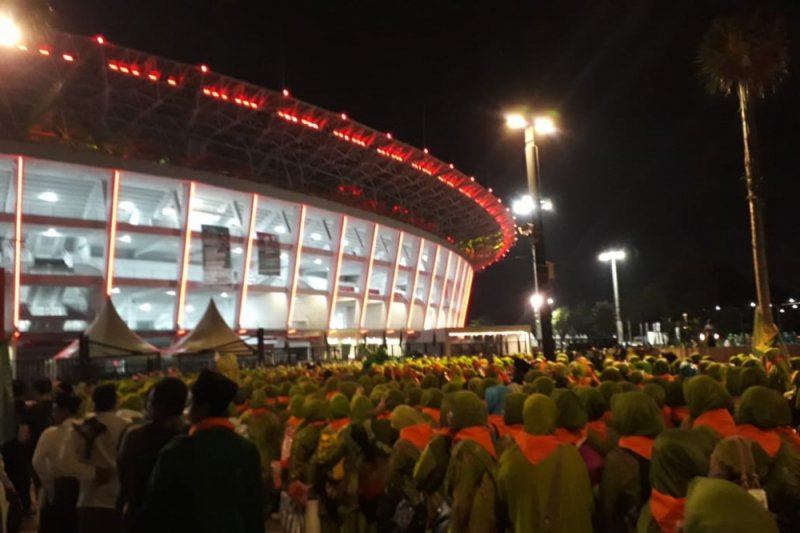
point(146, 307)
point(279, 229)
point(612, 255)
point(51, 232)
point(48, 196)
point(170, 293)
point(238, 250)
point(127, 206)
point(125, 238)
point(169, 212)
point(10, 32)
point(315, 236)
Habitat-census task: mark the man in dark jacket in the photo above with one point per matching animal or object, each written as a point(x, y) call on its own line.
point(210, 480)
point(141, 445)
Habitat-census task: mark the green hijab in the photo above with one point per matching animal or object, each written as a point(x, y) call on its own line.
point(752, 376)
point(360, 408)
point(679, 455)
point(660, 367)
point(432, 398)
point(593, 402)
point(674, 391)
point(474, 385)
point(348, 388)
point(513, 409)
point(297, 406)
point(715, 505)
point(316, 410)
point(571, 414)
point(656, 392)
point(705, 394)
point(636, 413)
point(610, 374)
point(467, 410)
point(487, 383)
point(339, 406)
point(608, 389)
point(539, 415)
point(430, 381)
point(413, 395)
point(544, 385)
point(733, 380)
point(453, 386)
point(393, 399)
point(404, 416)
point(761, 407)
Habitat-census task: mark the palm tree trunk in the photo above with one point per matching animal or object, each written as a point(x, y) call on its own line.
point(756, 208)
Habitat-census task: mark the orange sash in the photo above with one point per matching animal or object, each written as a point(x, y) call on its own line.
point(283, 400)
point(679, 414)
point(435, 414)
point(666, 510)
point(419, 435)
point(666, 414)
point(790, 434)
point(241, 408)
point(769, 441)
point(599, 428)
point(536, 448)
point(639, 445)
point(480, 435)
point(499, 424)
point(720, 420)
point(570, 436)
point(338, 424)
point(257, 411)
point(294, 421)
point(211, 423)
point(384, 416)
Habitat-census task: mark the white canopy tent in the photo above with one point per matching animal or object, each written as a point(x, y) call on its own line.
point(212, 334)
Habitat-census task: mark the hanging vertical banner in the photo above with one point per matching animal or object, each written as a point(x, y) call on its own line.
point(216, 255)
point(269, 254)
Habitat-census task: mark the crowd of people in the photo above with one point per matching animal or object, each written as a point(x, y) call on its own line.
point(579, 444)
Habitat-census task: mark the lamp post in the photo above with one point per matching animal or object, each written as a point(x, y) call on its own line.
point(10, 32)
point(533, 126)
point(613, 256)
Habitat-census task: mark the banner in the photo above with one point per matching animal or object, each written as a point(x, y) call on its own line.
point(269, 254)
point(216, 255)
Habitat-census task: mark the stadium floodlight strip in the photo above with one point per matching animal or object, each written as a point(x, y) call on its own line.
point(365, 294)
point(337, 269)
point(460, 298)
point(400, 237)
point(18, 241)
point(111, 249)
point(248, 254)
point(187, 242)
point(410, 298)
point(453, 289)
point(430, 288)
point(444, 288)
point(298, 248)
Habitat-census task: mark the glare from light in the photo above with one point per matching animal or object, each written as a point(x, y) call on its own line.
point(316, 236)
point(115, 290)
point(10, 34)
point(791, 300)
point(516, 121)
point(544, 126)
point(126, 239)
point(280, 229)
point(170, 293)
point(146, 307)
point(169, 212)
point(51, 232)
point(284, 256)
point(189, 308)
point(752, 304)
point(716, 336)
point(550, 301)
point(237, 250)
point(523, 206)
point(127, 206)
point(224, 295)
point(718, 308)
point(612, 255)
point(547, 205)
point(536, 301)
point(794, 306)
point(318, 261)
point(702, 336)
point(783, 310)
point(48, 196)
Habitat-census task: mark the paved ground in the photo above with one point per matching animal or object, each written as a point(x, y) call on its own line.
point(29, 526)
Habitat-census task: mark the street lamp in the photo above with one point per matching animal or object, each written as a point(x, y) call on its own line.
point(10, 33)
point(524, 206)
point(613, 256)
point(532, 126)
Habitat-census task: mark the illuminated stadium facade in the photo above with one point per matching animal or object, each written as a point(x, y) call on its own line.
point(165, 185)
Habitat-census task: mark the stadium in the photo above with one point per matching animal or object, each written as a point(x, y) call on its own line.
point(166, 186)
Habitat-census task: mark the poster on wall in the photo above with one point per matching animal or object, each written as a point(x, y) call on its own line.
point(216, 255)
point(269, 255)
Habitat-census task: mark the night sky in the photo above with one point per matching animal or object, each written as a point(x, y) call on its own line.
point(646, 159)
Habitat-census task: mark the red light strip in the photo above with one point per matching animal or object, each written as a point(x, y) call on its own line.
point(18, 240)
point(296, 266)
point(112, 232)
point(337, 269)
point(289, 117)
point(222, 95)
point(394, 277)
point(248, 254)
point(444, 287)
point(393, 155)
point(69, 58)
point(430, 288)
point(132, 70)
point(453, 288)
point(410, 299)
point(187, 241)
point(467, 293)
point(365, 294)
point(350, 138)
point(423, 169)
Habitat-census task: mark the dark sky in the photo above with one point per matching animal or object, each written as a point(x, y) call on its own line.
point(646, 158)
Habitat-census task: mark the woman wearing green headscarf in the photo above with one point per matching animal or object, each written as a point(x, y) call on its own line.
point(431, 405)
point(469, 483)
point(679, 455)
point(542, 483)
point(600, 436)
point(716, 505)
point(759, 415)
point(625, 485)
point(571, 420)
point(543, 385)
point(264, 429)
point(709, 406)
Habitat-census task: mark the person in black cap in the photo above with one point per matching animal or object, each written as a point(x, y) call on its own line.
point(209, 480)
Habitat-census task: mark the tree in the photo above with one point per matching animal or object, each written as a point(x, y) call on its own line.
point(747, 53)
point(562, 321)
point(603, 321)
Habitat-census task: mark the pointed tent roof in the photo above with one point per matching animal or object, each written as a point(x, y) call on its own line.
point(212, 333)
point(110, 336)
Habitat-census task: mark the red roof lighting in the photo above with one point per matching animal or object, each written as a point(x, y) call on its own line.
point(203, 68)
point(290, 117)
point(393, 155)
point(68, 58)
point(350, 138)
point(100, 39)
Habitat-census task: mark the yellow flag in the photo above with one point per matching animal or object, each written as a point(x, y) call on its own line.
point(765, 334)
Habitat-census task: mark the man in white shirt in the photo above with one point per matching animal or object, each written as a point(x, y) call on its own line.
point(56, 507)
point(89, 454)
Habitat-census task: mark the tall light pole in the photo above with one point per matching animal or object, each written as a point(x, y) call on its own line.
point(532, 126)
point(613, 256)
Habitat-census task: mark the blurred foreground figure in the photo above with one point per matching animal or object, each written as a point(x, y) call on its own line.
point(209, 480)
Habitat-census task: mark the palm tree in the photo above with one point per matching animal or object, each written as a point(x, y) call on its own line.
point(747, 54)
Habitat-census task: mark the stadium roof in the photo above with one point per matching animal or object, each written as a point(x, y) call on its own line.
point(95, 96)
